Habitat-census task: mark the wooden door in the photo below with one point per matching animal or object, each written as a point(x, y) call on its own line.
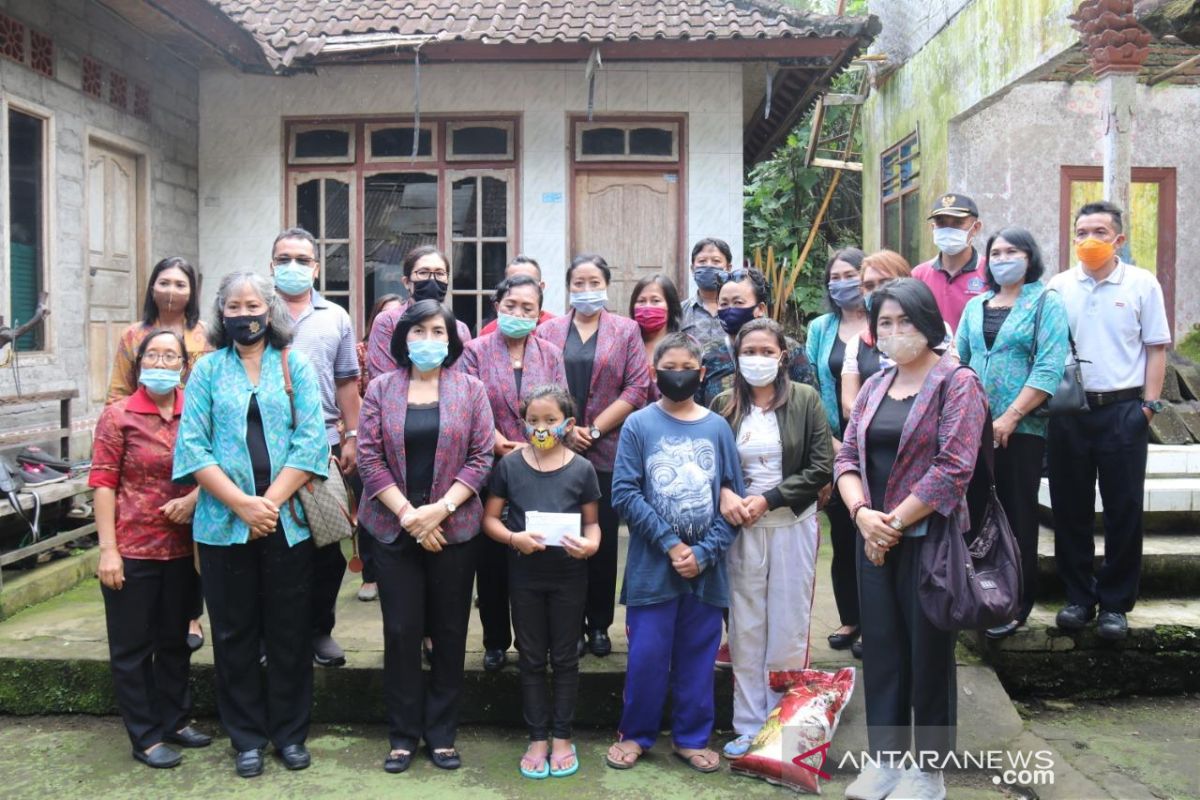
point(113, 279)
point(632, 219)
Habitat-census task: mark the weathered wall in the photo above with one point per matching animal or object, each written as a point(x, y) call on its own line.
point(985, 48)
point(1008, 157)
point(909, 24)
point(241, 135)
point(81, 27)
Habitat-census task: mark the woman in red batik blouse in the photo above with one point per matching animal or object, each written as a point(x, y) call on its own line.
point(146, 571)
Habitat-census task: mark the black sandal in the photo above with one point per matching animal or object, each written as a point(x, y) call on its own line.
point(445, 760)
point(396, 764)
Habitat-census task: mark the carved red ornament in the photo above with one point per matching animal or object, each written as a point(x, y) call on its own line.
point(12, 39)
point(1111, 36)
point(93, 84)
point(41, 53)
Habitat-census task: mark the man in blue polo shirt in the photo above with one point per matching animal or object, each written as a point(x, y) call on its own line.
point(960, 271)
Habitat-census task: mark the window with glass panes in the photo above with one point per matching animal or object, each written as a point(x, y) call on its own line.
point(372, 190)
point(24, 219)
point(901, 198)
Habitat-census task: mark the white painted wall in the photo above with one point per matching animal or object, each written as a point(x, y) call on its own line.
point(241, 142)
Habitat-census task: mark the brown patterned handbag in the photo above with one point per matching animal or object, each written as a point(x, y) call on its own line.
point(328, 505)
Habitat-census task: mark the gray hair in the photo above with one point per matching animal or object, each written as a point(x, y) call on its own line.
point(279, 322)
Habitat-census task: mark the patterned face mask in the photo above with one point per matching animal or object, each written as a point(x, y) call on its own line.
point(545, 438)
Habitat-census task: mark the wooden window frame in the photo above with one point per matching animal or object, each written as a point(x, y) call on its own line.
point(897, 197)
point(371, 158)
point(49, 203)
point(360, 168)
point(509, 178)
point(1166, 178)
point(325, 161)
point(627, 125)
point(324, 242)
point(506, 124)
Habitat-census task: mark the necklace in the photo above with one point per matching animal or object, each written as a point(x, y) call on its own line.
point(538, 459)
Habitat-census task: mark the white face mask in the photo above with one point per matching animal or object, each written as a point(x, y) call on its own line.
point(902, 347)
point(951, 241)
point(758, 370)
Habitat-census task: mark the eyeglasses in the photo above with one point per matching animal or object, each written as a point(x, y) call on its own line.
point(166, 359)
point(303, 261)
point(436, 274)
point(737, 275)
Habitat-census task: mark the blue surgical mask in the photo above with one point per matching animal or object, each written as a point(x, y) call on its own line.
point(427, 354)
point(588, 303)
point(1008, 272)
point(846, 294)
point(293, 279)
point(709, 278)
point(734, 317)
point(515, 327)
point(160, 381)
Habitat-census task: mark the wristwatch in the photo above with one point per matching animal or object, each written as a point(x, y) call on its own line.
point(450, 505)
point(594, 432)
point(896, 524)
point(1155, 406)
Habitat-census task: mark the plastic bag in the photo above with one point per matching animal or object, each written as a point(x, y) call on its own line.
point(790, 749)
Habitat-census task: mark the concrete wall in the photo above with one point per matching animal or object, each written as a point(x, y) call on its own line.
point(909, 24)
point(984, 49)
point(79, 28)
point(241, 141)
point(1008, 157)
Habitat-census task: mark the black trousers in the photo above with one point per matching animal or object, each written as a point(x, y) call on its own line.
point(1109, 443)
point(1018, 475)
point(197, 607)
point(908, 665)
point(329, 565)
point(419, 590)
point(544, 610)
point(843, 569)
point(147, 621)
point(602, 567)
point(260, 592)
point(491, 577)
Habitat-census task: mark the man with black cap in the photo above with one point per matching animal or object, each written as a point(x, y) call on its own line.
point(960, 271)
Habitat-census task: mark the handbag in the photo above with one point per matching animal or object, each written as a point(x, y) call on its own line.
point(977, 585)
point(327, 504)
point(1069, 398)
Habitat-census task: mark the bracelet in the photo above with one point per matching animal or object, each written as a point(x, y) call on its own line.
point(1013, 408)
point(857, 507)
point(400, 514)
point(510, 538)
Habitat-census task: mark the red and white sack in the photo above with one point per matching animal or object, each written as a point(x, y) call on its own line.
point(802, 723)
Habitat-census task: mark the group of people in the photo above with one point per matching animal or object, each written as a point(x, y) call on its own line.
point(710, 432)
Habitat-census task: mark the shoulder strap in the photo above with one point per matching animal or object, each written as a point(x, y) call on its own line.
point(987, 446)
point(287, 382)
point(1037, 326)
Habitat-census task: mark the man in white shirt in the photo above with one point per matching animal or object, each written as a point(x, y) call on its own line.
point(1119, 322)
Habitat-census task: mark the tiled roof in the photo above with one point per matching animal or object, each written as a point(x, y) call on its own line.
point(295, 30)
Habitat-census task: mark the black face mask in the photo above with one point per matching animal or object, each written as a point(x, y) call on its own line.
point(678, 385)
point(430, 289)
point(246, 329)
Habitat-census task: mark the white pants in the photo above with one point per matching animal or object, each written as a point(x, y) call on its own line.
point(772, 574)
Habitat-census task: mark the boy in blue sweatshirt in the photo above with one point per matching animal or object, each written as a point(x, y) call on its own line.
point(673, 458)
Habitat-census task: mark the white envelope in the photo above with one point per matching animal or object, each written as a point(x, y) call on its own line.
point(553, 526)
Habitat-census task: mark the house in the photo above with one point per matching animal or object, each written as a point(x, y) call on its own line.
point(135, 129)
point(998, 100)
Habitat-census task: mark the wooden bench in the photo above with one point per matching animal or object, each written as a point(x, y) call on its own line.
point(52, 493)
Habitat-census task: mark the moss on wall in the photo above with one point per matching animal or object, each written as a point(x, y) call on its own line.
point(988, 46)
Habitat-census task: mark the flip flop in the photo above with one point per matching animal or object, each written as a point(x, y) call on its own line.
point(536, 774)
point(623, 764)
point(571, 770)
point(689, 760)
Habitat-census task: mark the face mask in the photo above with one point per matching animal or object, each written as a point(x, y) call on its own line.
point(1093, 253)
point(588, 303)
point(902, 347)
point(651, 319)
point(709, 278)
point(758, 370)
point(679, 384)
point(293, 279)
point(160, 381)
point(515, 327)
point(951, 241)
point(846, 293)
point(734, 317)
point(246, 329)
point(1009, 272)
point(867, 301)
point(430, 289)
point(170, 298)
point(545, 438)
point(427, 354)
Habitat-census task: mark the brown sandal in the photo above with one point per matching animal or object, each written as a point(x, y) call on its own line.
point(705, 766)
point(623, 762)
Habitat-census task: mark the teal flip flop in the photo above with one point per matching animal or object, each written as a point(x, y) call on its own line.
point(540, 774)
point(571, 770)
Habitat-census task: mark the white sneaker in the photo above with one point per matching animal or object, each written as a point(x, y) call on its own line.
point(918, 785)
point(874, 783)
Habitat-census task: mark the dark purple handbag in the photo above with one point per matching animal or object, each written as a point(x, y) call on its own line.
point(971, 580)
